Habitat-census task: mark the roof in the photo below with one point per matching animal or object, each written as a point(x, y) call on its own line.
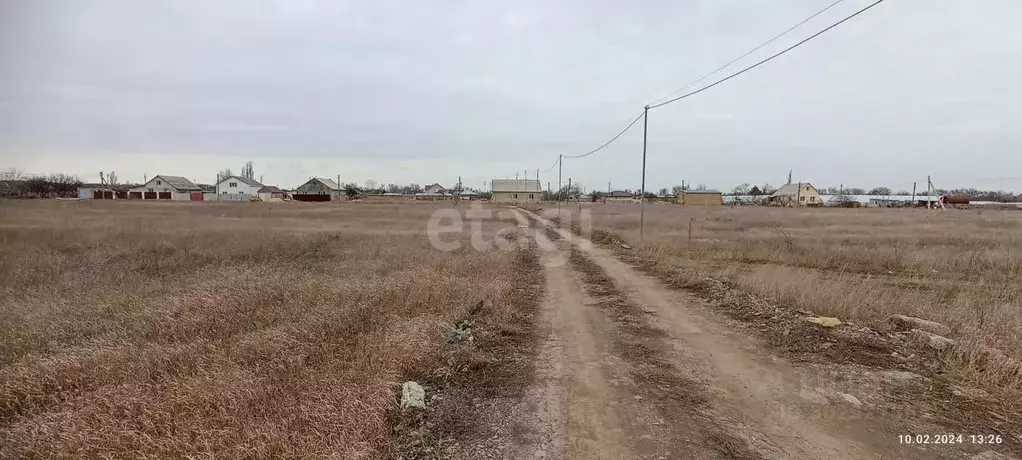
point(468, 193)
point(270, 189)
point(327, 182)
point(245, 180)
point(178, 182)
point(704, 192)
point(790, 189)
point(515, 185)
point(621, 194)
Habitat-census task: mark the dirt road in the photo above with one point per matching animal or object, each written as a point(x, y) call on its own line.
point(631, 369)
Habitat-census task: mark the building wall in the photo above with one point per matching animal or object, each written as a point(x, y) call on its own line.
point(516, 197)
point(267, 196)
point(701, 199)
point(240, 187)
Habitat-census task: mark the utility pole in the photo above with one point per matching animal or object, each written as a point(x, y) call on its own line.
point(642, 194)
point(539, 184)
point(913, 194)
point(560, 169)
point(929, 186)
point(789, 176)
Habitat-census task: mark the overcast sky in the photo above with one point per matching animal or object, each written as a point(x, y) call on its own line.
point(399, 91)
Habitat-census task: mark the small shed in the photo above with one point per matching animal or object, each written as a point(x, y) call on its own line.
point(700, 198)
point(271, 192)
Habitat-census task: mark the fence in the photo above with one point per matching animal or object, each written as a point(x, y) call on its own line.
point(310, 197)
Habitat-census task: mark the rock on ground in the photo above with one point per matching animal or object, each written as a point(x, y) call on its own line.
point(825, 321)
point(937, 342)
point(413, 395)
point(905, 323)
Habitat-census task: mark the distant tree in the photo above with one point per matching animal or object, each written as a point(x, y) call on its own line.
point(392, 188)
point(248, 171)
point(880, 191)
point(567, 192)
point(677, 189)
point(649, 196)
point(741, 189)
point(351, 190)
point(370, 184)
point(663, 191)
point(701, 187)
point(755, 190)
point(902, 193)
point(225, 173)
point(768, 189)
point(54, 185)
point(112, 178)
point(11, 174)
point(853, 191)
point(597, 196)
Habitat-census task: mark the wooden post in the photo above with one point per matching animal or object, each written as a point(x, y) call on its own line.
point(690, 220)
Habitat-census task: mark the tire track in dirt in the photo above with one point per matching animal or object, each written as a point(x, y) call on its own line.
point(767, 404)
point(613, 394)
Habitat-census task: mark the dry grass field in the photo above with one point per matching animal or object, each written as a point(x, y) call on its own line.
point(961, 268)
point(162, 330)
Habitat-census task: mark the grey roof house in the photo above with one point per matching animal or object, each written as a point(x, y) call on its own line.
point(162, 183)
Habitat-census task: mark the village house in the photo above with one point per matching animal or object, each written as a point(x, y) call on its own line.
point(318, 187)
point(237, 185)
point(435, 189)
point(515, 191)
point(797, 194)
point(700, 198)
point(163, 187)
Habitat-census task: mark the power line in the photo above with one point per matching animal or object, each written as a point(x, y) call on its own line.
point(610, 141)
point(552, 166)
point(739, 58)
point(764, 61)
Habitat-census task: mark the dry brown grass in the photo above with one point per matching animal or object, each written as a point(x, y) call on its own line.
point(228, 330)
point(961, 268)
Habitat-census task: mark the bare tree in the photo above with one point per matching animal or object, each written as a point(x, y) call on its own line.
point(741, 189)
point(248, 171)
point(677, 189)
point(11, 174)
point(225, 173)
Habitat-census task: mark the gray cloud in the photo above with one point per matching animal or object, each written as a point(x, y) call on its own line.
point(459, 88)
